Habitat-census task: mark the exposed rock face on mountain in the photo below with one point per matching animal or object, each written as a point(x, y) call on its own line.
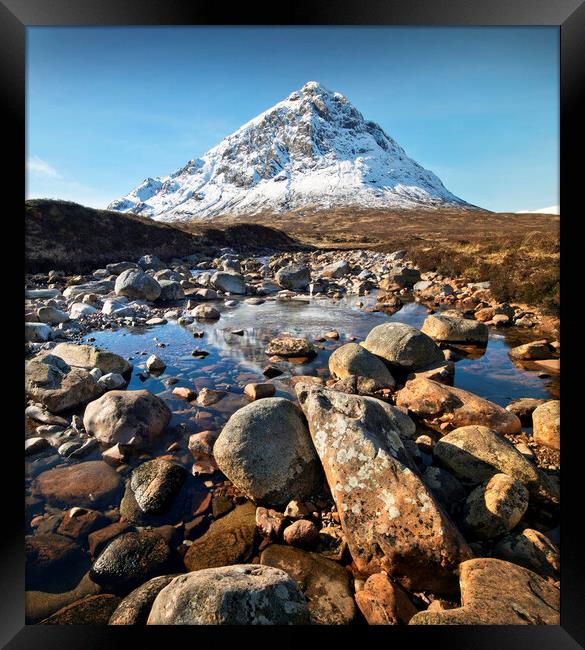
point(311, 149)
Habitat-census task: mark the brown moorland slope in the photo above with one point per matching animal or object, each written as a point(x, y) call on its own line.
point(66, 236)
point(518, 253)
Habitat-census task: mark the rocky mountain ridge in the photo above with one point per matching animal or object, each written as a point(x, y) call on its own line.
point(313, 149)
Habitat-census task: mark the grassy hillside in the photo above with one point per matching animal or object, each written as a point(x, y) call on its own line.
point(244, 236)
point(67, 236)
point(518, 253)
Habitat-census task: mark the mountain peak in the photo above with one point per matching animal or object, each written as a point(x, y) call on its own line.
point(310, 90)
point(313, 148)
point(315, 88)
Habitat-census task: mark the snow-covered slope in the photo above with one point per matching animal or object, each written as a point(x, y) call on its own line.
point(312, 149)
point(553, 209)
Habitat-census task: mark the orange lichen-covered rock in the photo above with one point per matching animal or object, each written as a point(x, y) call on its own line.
point(390, 518)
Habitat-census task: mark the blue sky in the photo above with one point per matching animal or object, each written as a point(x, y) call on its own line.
point(108, 107)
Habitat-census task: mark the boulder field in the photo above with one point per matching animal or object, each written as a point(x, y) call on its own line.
point(347, 480)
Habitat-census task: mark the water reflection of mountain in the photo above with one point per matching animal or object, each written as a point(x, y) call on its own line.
point(234, 359)
point(247, 350)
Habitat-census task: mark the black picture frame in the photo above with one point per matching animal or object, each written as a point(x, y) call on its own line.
point(569, 15)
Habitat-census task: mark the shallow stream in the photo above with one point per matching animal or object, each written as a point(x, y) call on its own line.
point(233, 360)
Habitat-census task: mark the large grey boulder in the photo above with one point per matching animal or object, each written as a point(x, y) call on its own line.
point(267, 288)
point(111, 381)
point(403, 346)
point(101, 287)
point(170, 290)
point(126, 417)
point(168, 274)
point(58, 386)
point(381, 499)
point(52, 315)
point(403, 276)
point(111, 305)
point(231, 264)
point(476, 453)
point(442, 327)
point(398, 255)
point(37, 332)
point(81, 310)
point(353, 359)
point(136, 284)
point(151, 262)
point(89, 357)
point(205, 312)
point(120, 267)
point(296, 277)
point(422, 285)
point(243, 594)
point(266, 451)
point(229, 281)
point(336, 269)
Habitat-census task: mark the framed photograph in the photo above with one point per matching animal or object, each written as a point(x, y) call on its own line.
point(292, 323)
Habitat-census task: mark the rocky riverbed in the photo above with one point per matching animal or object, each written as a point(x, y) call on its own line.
point(326, 437)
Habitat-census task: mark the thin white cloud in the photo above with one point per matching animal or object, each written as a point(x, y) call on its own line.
point(40, 167)
point(44, 187)
point(44, 181)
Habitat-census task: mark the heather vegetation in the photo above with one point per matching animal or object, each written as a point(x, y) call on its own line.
point(518, 253)
point(520, 268)
point(66, 236)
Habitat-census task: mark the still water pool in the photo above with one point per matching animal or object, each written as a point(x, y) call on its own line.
point(235, 360)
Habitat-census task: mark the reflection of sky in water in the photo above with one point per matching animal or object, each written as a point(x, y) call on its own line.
point(236, 360)
point(496, 378)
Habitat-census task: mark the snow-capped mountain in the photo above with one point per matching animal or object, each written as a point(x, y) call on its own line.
point(313, 149)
